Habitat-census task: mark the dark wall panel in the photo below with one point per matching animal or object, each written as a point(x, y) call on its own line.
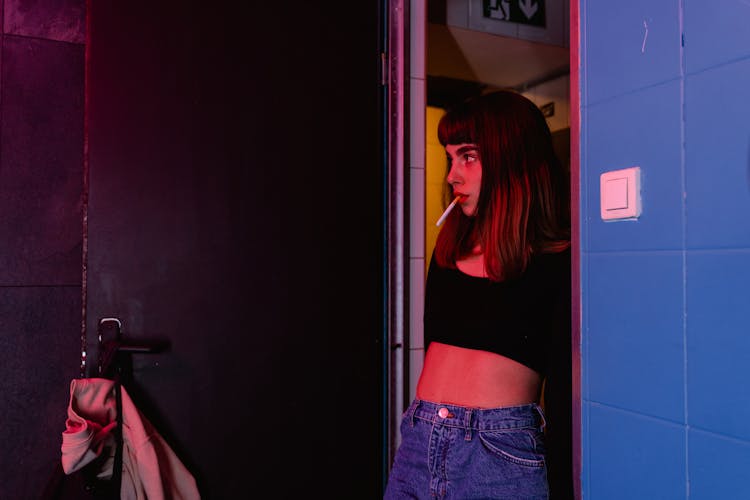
point(40, 355)
point(62, 20)
point(41, 163)
point(41, 187)
point(236, 187)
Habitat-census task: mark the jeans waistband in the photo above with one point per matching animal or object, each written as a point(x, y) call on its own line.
point(481, 419)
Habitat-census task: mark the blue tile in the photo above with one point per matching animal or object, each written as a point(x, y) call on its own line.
point(718, 346)
point(636, 358)
point(585, 385)
point(715, 32)
point(635, 457)
point(586, 450)
point(718, 157)
point(622, 54)
point(717, 466)
point(41, 166)
point(584, 201)
point(641, 129)
point(63, 20)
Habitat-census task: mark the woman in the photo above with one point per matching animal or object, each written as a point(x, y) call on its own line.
point(497, 318)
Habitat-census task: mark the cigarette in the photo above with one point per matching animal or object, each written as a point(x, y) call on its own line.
point(447, 211)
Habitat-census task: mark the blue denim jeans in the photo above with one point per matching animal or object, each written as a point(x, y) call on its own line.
point(455, 452)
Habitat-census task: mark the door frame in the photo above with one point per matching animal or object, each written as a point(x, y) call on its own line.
point(405, 127)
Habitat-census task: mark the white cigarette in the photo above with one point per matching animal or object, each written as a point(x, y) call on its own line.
point(448, 210)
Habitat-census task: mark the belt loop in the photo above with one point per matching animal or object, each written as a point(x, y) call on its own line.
point(412, 410)
point(541, 414)
point(467, 423)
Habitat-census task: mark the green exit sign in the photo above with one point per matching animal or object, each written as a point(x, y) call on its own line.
point(529, 12)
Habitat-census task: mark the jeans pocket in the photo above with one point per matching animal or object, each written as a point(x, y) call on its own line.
point(519, 446)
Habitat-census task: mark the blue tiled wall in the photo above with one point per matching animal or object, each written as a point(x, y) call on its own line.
point(665, 298)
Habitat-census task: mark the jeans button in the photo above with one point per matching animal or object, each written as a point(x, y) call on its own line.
point(443, 412)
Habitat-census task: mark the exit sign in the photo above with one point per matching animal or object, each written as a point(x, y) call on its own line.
point(529, 12)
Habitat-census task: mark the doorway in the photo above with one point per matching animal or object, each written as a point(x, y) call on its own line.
point(470, 50)
point(461, 48)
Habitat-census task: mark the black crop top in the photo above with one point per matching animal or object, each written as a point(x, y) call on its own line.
point(526, 319)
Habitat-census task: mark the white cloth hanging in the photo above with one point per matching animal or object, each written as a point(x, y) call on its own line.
point(150, 469)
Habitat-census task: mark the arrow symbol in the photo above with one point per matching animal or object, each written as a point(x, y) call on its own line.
point(528, 7)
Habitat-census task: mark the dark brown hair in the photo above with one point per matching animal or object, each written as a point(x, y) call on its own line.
point(523, 206)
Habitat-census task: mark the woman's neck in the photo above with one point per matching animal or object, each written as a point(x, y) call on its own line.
point(473, 264)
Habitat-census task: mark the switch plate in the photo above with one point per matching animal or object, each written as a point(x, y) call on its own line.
point(620, 192)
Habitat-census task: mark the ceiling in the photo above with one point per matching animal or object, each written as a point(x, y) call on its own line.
point(487, 60)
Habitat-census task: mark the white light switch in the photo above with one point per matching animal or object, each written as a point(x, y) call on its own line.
point(620, 192)
point(616, 193)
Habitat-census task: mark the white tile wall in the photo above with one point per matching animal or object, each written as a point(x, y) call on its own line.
point(417, 27)
point(417, 212)
point(416, 301)
point(416, 360)
point(417, 110)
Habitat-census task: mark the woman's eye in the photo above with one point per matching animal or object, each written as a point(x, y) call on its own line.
point(470, 157)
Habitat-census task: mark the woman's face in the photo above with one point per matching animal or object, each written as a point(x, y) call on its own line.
point(465, 175)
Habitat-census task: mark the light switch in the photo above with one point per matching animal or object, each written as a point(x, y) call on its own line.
point(620, 192)
point(616, 193)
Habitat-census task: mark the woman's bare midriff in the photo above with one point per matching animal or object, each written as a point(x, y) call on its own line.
point(478, 379)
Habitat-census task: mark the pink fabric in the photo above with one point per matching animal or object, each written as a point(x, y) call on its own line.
point(151, 470)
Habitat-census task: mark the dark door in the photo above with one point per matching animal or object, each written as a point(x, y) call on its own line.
point(235, 208)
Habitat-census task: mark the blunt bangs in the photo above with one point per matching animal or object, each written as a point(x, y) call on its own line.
point(457, 127)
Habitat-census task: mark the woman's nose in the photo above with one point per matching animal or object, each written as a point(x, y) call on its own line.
point(452, 177)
